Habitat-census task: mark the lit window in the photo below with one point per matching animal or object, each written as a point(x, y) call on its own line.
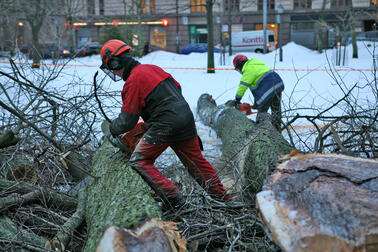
point(143, 6)
point(152, 6)
point(198, 5)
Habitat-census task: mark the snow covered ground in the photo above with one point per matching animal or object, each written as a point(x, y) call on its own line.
point(308, 85)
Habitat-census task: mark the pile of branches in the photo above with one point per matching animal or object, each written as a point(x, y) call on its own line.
point(41, 204)
point(47, 139)
point(211, 225)
point(353, 131)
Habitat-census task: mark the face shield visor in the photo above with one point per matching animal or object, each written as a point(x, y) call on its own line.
point(110, 63)
point(110, 73)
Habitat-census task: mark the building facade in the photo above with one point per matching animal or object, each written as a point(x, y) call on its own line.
point(170, 24)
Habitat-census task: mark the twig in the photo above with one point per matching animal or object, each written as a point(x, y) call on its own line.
point(97, 99)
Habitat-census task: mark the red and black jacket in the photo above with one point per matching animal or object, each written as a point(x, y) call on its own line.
point(153, 94)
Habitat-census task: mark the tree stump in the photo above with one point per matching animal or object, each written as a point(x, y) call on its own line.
point(152, 235)
point(322, 203)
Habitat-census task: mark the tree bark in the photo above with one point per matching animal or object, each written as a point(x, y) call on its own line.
point(252, 148)
point(8, 139)
point(62, 238)
point(322, 202)
point(118, 196)
point(9, 232)
point(48, 196)
point(210, 36)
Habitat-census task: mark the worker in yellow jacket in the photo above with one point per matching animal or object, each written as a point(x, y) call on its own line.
point(265, 85)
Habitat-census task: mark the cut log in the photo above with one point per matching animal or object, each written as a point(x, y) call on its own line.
point(322, 203)
point(152, 235)
point(119, 196)
point(251, 147)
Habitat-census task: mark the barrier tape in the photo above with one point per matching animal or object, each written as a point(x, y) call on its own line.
point(205, 68)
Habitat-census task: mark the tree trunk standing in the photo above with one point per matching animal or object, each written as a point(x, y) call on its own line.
point(252, 147)
point(118, 197)
point(210, 36)
point(322, 202)
point(353, 29)
point(35, 12)
point(36, 54)
point(229, 26)
point(320, 27)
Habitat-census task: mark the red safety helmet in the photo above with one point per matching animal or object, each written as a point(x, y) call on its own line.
point(109, 52)
point(239, 61)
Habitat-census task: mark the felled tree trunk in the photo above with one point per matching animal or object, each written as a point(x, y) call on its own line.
point(252, 147)
point(118, 197)
point(323, 203)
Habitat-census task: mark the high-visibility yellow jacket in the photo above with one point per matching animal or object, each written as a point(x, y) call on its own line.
point(262, 81)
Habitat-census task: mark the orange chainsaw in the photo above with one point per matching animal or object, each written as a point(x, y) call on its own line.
point(129, 140)
point(246, 108)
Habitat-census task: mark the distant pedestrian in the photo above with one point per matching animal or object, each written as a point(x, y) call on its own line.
point(265, 85)
point(146, 49)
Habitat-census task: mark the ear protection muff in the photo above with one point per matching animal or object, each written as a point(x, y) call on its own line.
point(112, 62)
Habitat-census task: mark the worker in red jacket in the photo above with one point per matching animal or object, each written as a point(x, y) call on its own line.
point(151, 93)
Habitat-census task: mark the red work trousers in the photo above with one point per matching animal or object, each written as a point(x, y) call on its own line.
point(189, 152)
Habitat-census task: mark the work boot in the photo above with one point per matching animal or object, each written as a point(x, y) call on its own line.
point(174, 203)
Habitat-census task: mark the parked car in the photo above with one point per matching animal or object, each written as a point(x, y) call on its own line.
point(196, 47)
point(89, 48)
point(49, 50)
point(371, 36)
point(368, 36)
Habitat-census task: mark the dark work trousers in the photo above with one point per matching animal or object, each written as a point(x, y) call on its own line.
point(275, 106)
point(189, 152)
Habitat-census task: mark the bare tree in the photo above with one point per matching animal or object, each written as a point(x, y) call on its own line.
point(210, 36)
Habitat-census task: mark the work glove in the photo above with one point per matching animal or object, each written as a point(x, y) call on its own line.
point(237, 102)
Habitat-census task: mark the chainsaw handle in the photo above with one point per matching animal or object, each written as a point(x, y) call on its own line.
point(117, 143)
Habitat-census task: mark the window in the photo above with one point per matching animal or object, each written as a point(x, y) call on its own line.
point(152, 6)
point(302, 4)
point(143, 6)
point(234, 5)
point(260, 4)
point(102, 7)
point(198, 5)
point(91, 7)
point(339, 3)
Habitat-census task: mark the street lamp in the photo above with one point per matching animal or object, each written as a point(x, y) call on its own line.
point(280, 10)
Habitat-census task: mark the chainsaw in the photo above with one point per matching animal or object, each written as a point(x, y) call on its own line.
point(246, 108)
point(129, 140)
